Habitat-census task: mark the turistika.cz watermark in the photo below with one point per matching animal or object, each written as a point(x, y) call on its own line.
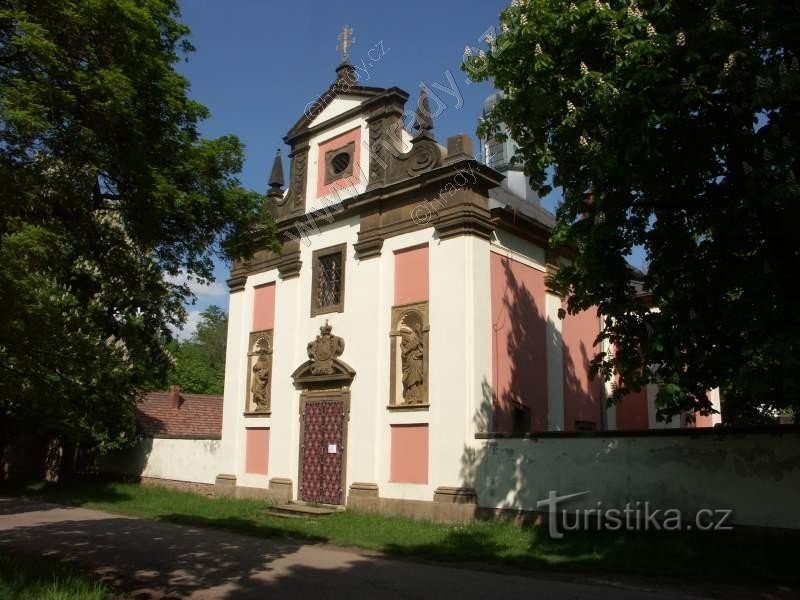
point(636, 516)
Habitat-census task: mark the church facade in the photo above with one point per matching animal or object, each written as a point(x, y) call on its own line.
point(405, 312)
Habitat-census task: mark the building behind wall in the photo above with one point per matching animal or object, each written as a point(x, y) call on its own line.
point(405, 313)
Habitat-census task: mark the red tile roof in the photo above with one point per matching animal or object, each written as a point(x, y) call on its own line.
point(197, 417)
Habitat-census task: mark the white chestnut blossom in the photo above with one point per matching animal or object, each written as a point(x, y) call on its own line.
point(570, 106)
point(680, 40)
point(729, 63)
point(584, 69)
point(537, 50)
point(651, 31)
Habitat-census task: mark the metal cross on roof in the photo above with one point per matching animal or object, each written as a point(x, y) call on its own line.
point(346, 40)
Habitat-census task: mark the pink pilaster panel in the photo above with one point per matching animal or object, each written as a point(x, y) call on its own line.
point(257, 450)
point(411, 275)
point(354, 135)
point(264, 307)
point(519, 351)
point(409, 454)
point(632, 411)
point(583, 396)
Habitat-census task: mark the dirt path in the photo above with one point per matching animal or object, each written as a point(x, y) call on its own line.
point(153, 559)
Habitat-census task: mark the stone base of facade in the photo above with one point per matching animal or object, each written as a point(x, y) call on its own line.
point(279, 491)
point(206, 489)
point(449, 505)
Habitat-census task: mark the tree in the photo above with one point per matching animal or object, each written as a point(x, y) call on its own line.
point(106, 186)
point(200, 361)
point(674, 127)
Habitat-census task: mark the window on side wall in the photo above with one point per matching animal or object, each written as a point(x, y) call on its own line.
point(327, 288)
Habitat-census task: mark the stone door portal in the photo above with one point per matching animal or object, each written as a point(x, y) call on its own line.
point(324, 410)
point(322, 450)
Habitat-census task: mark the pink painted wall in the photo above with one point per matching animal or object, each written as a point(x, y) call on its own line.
point(257, 450)
point(699, 421)
point(583, 397)
point(409, 454)
point(632, 411)
point(264, 307)
point(354, 135)
point(519, 355)
point(411, 275)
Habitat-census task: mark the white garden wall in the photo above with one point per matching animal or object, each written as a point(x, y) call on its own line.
point(196, 461)
point(757, 475)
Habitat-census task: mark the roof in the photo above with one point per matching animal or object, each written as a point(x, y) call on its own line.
point(519, 205)
point(197, 417)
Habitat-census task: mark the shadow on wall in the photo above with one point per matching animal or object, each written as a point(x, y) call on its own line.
point(488, 471)
point(518, 344)
point(131, 462)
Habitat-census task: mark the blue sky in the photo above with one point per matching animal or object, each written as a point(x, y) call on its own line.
point(258, 63)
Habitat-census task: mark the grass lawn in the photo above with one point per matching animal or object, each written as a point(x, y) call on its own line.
point(28, 579)
point(739, 556)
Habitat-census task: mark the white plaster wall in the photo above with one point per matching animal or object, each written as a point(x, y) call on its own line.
point(515, 248)
point(197, 461)
point(239, 322)
point(459, 314)
point(755, 475)
point(337, 106)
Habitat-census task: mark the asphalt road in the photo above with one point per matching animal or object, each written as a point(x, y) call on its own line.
point(151, 559)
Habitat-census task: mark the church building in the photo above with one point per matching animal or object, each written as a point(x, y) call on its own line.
point(405, 312)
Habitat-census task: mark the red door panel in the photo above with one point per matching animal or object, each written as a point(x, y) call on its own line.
point(322, 452)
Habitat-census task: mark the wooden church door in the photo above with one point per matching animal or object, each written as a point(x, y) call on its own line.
point(322, 451)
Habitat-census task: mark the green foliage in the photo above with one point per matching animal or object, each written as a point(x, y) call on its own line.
point(105, 186)
point(671, 126)
point(200, 362)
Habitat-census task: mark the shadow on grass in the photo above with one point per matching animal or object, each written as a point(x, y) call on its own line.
point(69, 494)
point(244, 526)
point(743, 556)
point(748, 557)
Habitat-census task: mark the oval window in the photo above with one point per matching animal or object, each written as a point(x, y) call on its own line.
point(340, 162)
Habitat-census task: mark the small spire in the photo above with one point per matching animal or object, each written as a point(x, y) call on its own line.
point(423, 118)
point(276, 176)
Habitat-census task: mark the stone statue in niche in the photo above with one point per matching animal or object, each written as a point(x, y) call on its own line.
point(412, 357)
point(261, 374)
point(410, 352)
